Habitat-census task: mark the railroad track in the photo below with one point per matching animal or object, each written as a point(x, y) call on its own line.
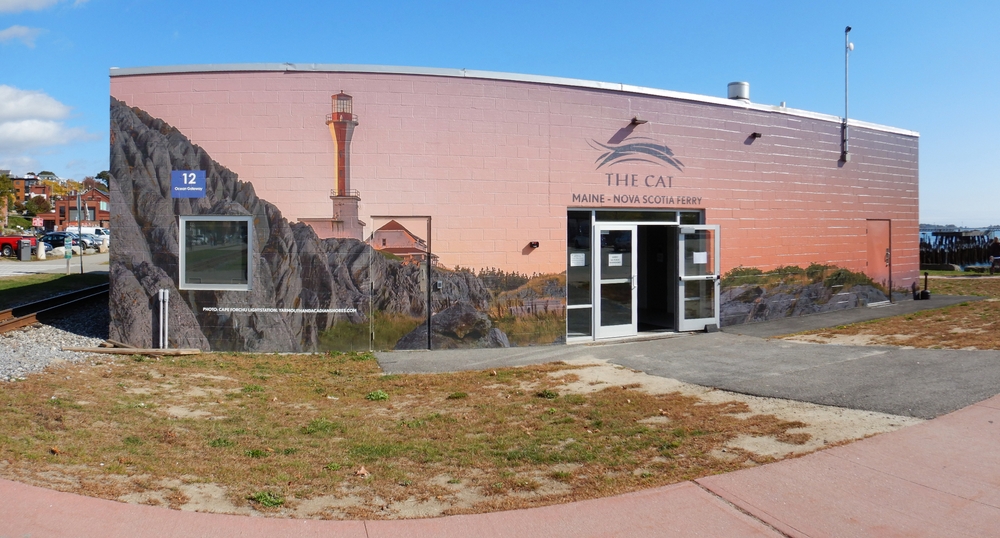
point(27, 314)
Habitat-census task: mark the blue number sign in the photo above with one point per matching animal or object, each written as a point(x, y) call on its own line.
point(187, 184)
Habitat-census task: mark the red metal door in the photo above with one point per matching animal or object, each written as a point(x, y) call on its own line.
point(879, 252)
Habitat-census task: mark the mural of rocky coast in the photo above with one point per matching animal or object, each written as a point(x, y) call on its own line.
point(296, 269)
point(749, 295)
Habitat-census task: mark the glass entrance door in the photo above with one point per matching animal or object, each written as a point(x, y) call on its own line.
point(616, 312)
point(698, 296)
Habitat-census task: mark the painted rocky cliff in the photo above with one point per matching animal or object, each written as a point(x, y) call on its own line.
point(750, 295)
point(296, 269)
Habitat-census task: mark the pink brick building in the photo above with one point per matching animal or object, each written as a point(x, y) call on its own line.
point(623, 190)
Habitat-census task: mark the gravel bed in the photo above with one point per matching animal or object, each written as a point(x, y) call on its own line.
point(31, 349)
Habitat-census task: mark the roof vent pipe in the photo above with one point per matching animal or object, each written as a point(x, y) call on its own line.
point(739, 90)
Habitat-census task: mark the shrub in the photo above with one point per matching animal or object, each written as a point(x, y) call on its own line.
point(788, 270)
point(739, 276)
point(816, 271)
point(845, 278)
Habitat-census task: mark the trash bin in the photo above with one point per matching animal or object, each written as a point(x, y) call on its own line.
point(24, 250)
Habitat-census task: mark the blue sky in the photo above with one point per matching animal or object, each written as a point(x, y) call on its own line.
point(932, 67)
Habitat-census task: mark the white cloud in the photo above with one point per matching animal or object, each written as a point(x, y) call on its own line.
point(19, 165)
point(18, 104)
point(24, 134)
point(15, 6)
point(22, 33)
point(31, 120)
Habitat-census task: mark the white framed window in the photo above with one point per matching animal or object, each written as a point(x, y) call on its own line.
point(215, 252)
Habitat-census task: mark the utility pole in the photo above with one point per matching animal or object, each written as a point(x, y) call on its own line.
point(848, 47)
point(79, 228)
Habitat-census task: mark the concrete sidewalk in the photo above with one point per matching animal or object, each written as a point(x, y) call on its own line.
point(92, 263)
point(939, 478)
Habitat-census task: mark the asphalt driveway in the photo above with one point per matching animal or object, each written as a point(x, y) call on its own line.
point(920, 383)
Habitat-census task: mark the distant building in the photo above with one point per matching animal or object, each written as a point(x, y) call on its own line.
point(26, 188)
point(395, 239)
point(94, 211)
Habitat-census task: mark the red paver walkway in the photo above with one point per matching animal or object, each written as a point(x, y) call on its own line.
point(679, 510)
point(940, 478)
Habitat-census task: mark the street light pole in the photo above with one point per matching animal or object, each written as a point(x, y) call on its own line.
point(848, 47)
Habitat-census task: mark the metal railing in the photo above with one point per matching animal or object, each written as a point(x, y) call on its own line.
point(329, 117)
point(351, 193)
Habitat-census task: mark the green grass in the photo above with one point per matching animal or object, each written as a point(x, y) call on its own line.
point(539, 329)
point(389, 328)
point(830, 275)
point(267, 499)
point(293, 441)
point(18, 290)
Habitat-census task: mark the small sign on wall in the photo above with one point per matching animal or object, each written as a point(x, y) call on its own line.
point(577, 259)
point(187, 184)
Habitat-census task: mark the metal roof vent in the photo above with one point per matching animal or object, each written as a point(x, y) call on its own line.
point(739, 90)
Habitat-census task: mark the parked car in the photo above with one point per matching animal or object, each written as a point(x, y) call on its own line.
point(58, 239)
point(90, 240)
point(102, 234)
point(197, 239)
point(623, 243)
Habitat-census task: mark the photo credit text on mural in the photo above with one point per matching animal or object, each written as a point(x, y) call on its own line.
point(253, 310)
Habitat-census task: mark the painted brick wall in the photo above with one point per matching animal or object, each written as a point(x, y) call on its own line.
point(496, 163)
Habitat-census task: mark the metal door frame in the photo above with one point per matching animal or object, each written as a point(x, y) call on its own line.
point(614, 331)
point(697, 324)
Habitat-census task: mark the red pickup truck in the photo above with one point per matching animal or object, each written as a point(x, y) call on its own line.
point(9, 245)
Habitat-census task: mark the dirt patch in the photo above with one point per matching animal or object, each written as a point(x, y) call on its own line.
point(824, 425)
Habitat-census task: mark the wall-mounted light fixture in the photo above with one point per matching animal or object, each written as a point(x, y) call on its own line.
point(533, 244)
point(636, 120)
point(755, 135)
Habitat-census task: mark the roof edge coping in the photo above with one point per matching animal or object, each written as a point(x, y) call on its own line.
point(494, 75)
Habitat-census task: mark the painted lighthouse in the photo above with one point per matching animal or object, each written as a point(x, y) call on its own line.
point(345, 222)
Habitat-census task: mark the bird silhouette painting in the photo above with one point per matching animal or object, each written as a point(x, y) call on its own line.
point(636, 149)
